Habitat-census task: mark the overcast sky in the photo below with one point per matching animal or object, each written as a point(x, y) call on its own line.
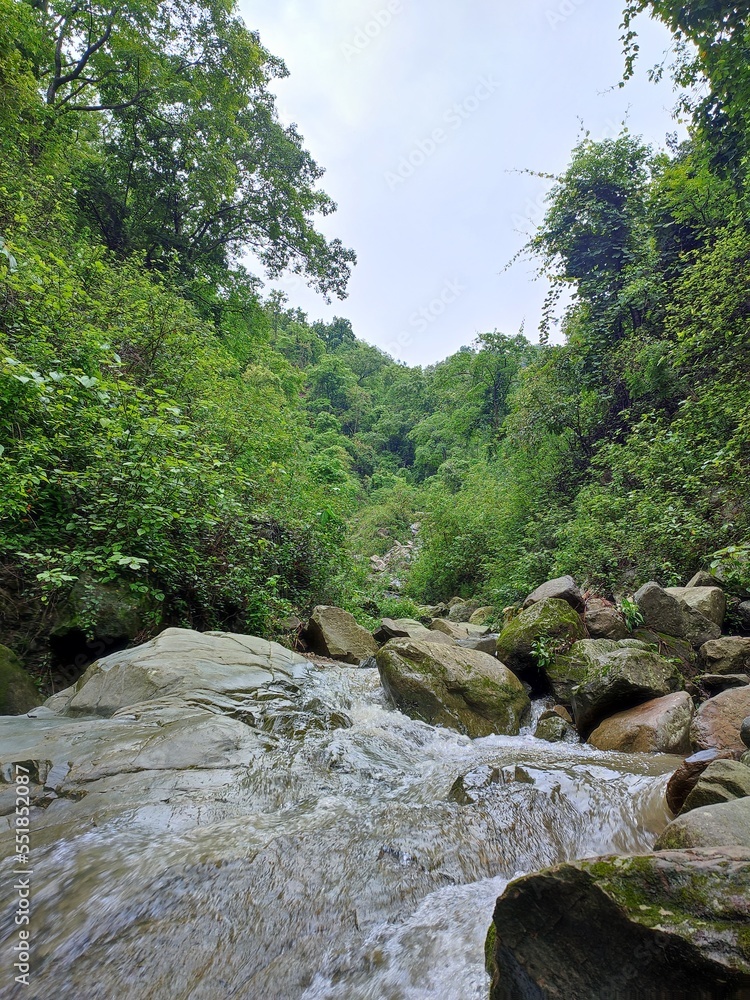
point(422, 113)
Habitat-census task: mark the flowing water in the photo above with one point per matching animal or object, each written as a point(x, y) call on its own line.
point(312, 862)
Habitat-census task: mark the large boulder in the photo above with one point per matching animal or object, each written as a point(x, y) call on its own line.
point(482, 615)
point(671, 648)
point(334, 632)
point(719, 720)
point(97, 618)
point(459, 630)
point(562, 589)
point(686, 777)
point(448, 686)
point(703, 579)
point(728, 655)
point(664, 613)
point(463, 612)
point(604, 621)
point(482, 643)
point(18, 694)
point(722, 825)
point(662, 926)
point(743, 615)
point(661, 725)
point(181, 667)
point(711, 602)
point(600, 677)
point(722, 781)
point(552, 620)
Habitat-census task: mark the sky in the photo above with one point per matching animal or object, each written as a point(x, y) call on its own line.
point(431, 119)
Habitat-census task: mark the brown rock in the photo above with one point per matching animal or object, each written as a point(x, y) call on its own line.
point(604, 621)
point(711, 602)
point(719, 720)
point(336, 633)
point(661, 725)
point(563, 589)
point(714, 684)
point(685, 778)
point(728, 655)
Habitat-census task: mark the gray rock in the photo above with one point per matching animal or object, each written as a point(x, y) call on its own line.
point(685, 778)
point(600, 677)
point(604, 621)
point(482, 643)
point(470, 788)
point(551, 620)
point(406, 628)
point(727, 655)
point(562, 589)
point(463, 612)
point(457, 688)
point(658, 726)
point(482, 615)
point(555, 729)
point(719, 720)
point(703, 579)
point(668, 925)
point(743, 615)
point(714, 684)
point(18, 693)
point(745, 731)
point(711, 602)
point(459, 630)
point(722, 781)
point(336, 633)
point(665, 613)
point(711, 826)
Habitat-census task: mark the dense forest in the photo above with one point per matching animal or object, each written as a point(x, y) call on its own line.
point(173, 432)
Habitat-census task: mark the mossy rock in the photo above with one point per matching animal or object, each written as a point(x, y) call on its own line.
point(669, 925)
point(553, 619)
point(18, 694)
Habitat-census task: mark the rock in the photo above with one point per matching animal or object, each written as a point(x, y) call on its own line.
point(463, 612)
point(658, 726)
point(714, 684)
point(671, 649)
point(743, 615)
point(604, 621)
point(482, 643)
point(406, 628)
point(110, 613)
point(18, 694)
point(703, 579)
point(745, 731)
point(554, 729)
point(182, 667)
point(553, 619)
point(668, 925)
point(718, 721)
point(562, 589)
point(711, 602)
point(454, 601)
point(721, 825)
point(457, 688)
point(600, 677)
point(722, 781)
point(470, 788)
point(687, 774)
point(665, 613)
point(481, 616)
point(334, 632)
point(459, 630)
point(728, 655)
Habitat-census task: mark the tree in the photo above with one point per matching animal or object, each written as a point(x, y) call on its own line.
point(191, 165)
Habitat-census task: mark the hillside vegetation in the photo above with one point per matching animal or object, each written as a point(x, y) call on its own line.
point(175, 432)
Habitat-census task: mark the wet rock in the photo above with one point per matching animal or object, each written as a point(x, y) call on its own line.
point(658, 726)
point(17, 691)
point(334, 632)
point(728, 655)
point(718, 721)
point(687, 774)
point(664, 613)
point(722, 781)
point(562, 589)
point(601, 677)
point(553, 620)
point(714, 684)
point(662, 926)
point(604, 621)
point(457, 688)
point(215, 670)
point(470, 788)
point(554, 729)
point(721, 825)
point(711, 601)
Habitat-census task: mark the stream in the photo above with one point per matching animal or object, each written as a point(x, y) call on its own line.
point(323, 861)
